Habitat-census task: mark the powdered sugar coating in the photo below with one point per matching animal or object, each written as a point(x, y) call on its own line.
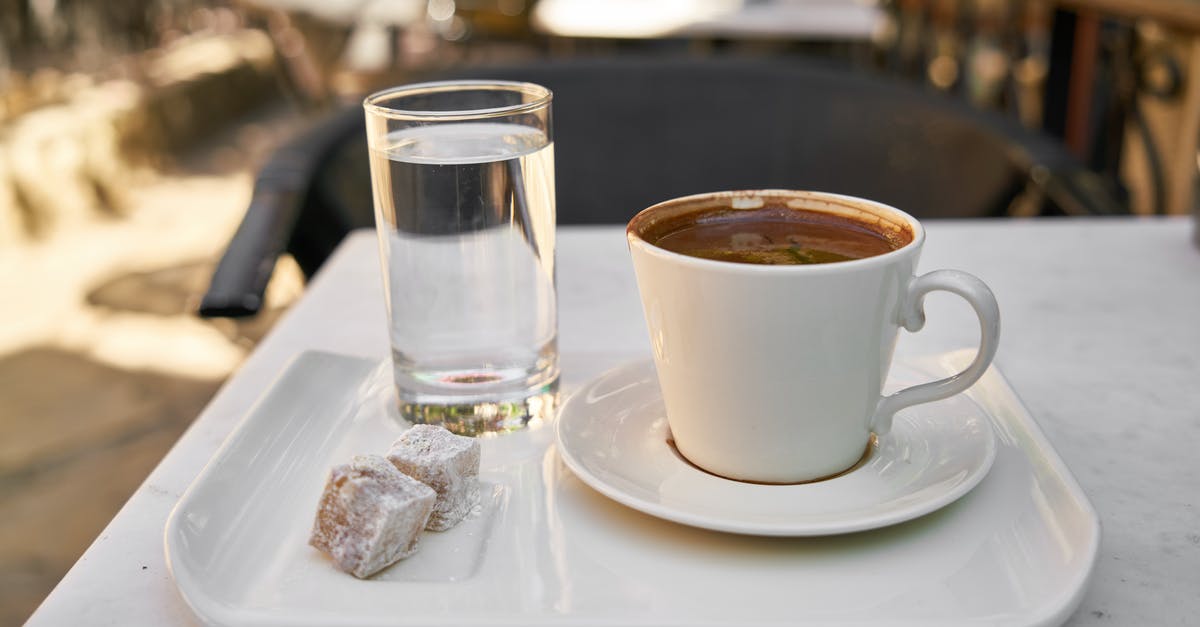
point(370, 515)
point(446, 462)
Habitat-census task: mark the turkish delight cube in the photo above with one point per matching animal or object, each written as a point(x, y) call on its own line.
point(446, 462)
point(370, 515)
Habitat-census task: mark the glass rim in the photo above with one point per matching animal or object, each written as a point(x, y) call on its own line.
point(373, 104)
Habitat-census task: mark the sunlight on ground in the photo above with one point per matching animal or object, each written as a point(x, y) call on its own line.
point(174, 220)
point(178, 345)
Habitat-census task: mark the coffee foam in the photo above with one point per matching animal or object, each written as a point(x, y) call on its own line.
point(897, 231)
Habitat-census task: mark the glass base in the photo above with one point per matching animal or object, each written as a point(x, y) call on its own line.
point(484, 417)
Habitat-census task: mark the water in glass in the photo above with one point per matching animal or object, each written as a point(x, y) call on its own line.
point(466, 223)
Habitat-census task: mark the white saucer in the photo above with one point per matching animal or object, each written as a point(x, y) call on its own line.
point(613, 434)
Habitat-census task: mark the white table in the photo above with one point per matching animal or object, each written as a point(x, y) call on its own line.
point(1101, 338)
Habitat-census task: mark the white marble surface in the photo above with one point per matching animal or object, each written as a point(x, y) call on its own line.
point(1101, 338)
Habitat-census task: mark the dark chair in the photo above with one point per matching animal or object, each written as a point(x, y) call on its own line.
point(632, 132)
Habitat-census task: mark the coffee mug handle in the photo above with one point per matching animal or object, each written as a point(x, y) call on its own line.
point(913, 319)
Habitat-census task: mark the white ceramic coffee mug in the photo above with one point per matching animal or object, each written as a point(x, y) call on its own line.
point(774, 373)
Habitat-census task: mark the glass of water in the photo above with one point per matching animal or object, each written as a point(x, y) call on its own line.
point(463, 180)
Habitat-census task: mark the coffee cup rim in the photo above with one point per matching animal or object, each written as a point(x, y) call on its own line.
point(841, 203)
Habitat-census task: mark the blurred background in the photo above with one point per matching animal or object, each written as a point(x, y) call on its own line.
point(132, 133)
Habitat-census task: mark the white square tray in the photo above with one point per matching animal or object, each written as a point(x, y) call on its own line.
point(547, 550)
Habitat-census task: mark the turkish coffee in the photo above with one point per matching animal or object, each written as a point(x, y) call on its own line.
point(773, 235)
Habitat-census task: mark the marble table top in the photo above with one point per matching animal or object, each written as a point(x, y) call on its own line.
point(1101, 339)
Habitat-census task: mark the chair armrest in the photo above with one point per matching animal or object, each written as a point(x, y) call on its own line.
point(280, 193)
point(240, 280)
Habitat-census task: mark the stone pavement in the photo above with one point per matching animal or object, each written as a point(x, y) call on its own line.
point(102, 363)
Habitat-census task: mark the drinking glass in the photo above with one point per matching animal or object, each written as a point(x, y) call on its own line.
point(462, 174)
